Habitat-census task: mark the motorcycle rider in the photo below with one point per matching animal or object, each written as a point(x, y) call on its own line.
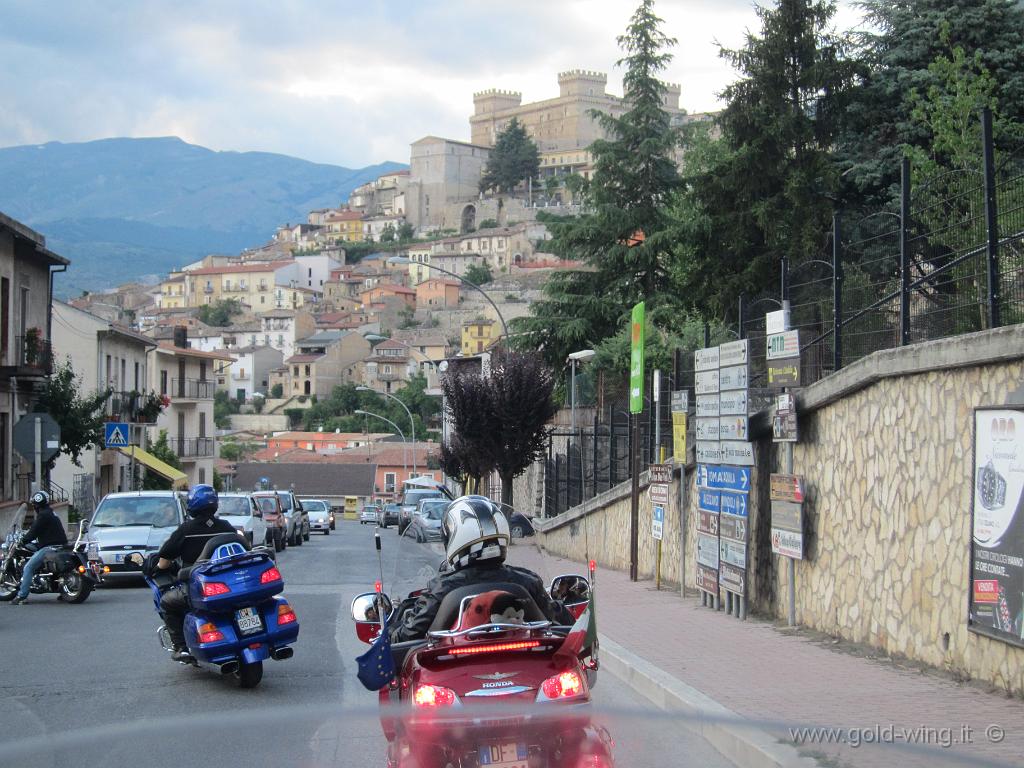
point(186, 544)
point(476, 535)
point(49, 531)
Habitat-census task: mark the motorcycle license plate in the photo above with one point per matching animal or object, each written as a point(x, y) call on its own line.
point(249, 621)
point(506, 755)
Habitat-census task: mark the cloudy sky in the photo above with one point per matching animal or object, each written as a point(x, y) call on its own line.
point(332, 81)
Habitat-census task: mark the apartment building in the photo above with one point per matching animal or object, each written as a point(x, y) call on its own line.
point(321, 360)
point(281, 328)
point(250, 372)
point(254, 285)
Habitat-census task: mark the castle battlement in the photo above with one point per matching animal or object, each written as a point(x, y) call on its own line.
point(497, 92)
point(583, 74)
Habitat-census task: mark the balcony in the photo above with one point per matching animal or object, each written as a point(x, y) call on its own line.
point(31, 356)
point(207, 289)
point(192, 389)
point(191, 447)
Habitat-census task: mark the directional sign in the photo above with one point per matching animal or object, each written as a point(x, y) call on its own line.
point(732, 552)
point(680, 401)
point(707, 406)
point(116, 434)
point(659, 494)
point(706, 359)
point(733, 377)
point(707, 429)
point(24, 436)
point(707, 550)
point(660, 473)
point(785, 344)
point(658, 523)
point(706, 382)
point(732, 578)
point(707, 522)
point(710, 453)
point(707, 579)
point(733, 428)
point(733, 403)
point(784, 372)
point(787, 516)
point(788, 543)
point(733, 353)
point(716, 478)
point(709, 501)
point(787, 488)
point(733, 504)
point(735, 452)
point(732, 527)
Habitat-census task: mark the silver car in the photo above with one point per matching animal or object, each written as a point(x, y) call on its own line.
point(426, 523)
point(126, 523)
point(320, 516)
point(241, 511)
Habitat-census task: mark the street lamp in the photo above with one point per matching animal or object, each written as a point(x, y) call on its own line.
point(402, 260)
point(405, 463)
point(408, 412)
point(576, 357)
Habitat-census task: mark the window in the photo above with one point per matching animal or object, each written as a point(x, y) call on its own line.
point(163, 382)
point(110, 370)
point(307, 370)
point(202, 475)
point(5, 309)
point(124, 373)
point(202, 370)
point(295, 371)
point(389, 482)
point(202, 424)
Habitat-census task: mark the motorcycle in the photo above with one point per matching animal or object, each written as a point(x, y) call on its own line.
point(439, 711)
point(65, 570)
point(236, 621)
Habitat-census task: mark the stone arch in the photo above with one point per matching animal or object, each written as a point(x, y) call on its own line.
point(468, 219)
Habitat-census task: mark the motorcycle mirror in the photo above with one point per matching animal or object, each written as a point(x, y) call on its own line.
point(136, 559)
point(367, 607)
point(570, 589)
point(83, 526)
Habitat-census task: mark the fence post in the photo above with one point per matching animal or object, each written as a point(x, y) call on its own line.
point(837, 293)
point(707, 334)
point(594, 465)
point(904, 251)
point(558, 490)
point(991, 220)
point(741, 332)
point(784, 269)
point(613, 457)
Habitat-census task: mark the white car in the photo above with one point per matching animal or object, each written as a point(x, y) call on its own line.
point(320, 516)
point(241, 511)
point(128, 523)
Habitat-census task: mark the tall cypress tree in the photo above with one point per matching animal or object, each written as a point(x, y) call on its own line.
point(623, 238)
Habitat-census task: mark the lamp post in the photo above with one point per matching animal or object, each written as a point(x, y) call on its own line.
point(405, 463)
point(402, 260)
point(576, 357)
point(408, 412)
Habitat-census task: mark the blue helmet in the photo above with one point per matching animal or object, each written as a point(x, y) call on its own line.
point(202, 500)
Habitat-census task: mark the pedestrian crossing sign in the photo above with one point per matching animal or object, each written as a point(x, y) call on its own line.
point(115, 434)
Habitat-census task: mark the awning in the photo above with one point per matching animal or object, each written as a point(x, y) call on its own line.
point(178, 478)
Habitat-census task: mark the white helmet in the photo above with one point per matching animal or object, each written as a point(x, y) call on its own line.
point(474, 529)
point(40, 499)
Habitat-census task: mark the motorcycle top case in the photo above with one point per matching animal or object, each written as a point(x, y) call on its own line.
point(242, 575)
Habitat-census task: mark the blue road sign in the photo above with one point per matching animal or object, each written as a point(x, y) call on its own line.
point(734, 504)
point(715, 477)
point(708, 501)
point(115, 434)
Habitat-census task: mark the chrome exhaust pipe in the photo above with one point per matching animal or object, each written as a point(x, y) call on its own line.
point(280, 654)
point(229, 667)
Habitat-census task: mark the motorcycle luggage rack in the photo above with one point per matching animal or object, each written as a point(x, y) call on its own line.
point(235, 561)
point(488, 628)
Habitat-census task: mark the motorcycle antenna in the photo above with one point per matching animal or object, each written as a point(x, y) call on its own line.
point(380, 584)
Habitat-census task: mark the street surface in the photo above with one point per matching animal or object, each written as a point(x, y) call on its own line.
point(94, 680)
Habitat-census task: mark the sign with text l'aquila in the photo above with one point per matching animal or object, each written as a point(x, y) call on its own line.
point(636, 360)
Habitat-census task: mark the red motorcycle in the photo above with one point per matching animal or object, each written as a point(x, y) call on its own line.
point(505, 693)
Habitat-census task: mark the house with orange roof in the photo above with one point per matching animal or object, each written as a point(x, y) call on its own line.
point(344, 226)
point(250, 283)
point(384, 291)
point(437, 293)
point(323, 442)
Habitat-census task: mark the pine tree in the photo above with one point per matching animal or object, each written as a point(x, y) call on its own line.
point(513, 159)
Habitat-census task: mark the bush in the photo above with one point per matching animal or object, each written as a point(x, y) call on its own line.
point(294, 415)
point(277, 391)
point(489, 224)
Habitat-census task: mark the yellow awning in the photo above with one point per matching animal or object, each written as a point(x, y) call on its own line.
point(178, 478)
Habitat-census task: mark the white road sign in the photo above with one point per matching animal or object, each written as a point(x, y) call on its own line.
point(706, 382)
point(707, 429)
point(733, 403)
point(706, 359)
point(735, 452)
point(733, 377)
point(733, 428)
point(707, 406)
point(709, 453)
point(733, 353)
point(785, 344)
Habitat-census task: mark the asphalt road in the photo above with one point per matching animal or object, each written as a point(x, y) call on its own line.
point(94, 683)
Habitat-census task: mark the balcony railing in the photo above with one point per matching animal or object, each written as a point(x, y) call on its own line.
point(34, 353)
point(191, 447)
point(193, 389)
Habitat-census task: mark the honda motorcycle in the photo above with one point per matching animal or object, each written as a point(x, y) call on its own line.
point(236, 621)
point(65, 570)
point(503, 690)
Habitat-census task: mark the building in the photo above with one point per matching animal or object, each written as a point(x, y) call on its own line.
point(375, 226)
point(172, 292)
point(251, 284)
point(250, 372)
point(343, 227)
point(384, 196)
point(280, 328)
point(320, 361)
point(105, 356)
point(437, 293)
point(315, 269)
point(478, 335)
point(394, 462)
point(188, 377)
point(309, 480)
point(383, 291)
point(442, 171)
point(323, 442)
point(389, 367)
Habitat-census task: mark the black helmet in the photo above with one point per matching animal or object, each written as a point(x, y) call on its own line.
point(40, 499)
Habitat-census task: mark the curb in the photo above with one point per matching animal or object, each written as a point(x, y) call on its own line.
point(744, 746)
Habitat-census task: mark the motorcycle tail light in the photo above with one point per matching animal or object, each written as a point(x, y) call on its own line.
point(208, 633)
point(519, 645)
point(563, 685)
point(433, 696)
point(81, 569)
point(285, 614)
point(269, 575)
point(214, 588)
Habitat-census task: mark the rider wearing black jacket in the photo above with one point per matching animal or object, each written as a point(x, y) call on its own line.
point(476, 535)
point(48, 530)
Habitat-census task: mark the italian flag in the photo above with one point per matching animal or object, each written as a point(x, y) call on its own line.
point(582, 638)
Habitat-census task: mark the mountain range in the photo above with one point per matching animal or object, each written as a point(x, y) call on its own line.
point(124, 209)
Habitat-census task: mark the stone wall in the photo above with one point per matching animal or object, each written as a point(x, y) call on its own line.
point(886, 452)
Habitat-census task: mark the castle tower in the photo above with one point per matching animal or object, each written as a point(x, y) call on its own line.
point(494, 100)
point(581, 82)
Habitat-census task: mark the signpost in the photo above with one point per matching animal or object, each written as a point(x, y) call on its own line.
point(658, 523)
point(659, 494)
point(636, 406)
point(660, 474)
point(784, 422)
point(36, 436)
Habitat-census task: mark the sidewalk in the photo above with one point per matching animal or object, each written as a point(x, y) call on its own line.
point(765, 673)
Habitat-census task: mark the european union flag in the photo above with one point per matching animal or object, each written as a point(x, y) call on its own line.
point(377, 666)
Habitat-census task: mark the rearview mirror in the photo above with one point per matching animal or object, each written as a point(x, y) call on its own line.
point(369, 606)
point(136, 559)
point(570, 589)
point(83, 526)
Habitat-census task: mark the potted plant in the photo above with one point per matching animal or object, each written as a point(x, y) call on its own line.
point(33, 347)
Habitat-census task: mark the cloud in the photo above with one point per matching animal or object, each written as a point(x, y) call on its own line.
point(342, 82)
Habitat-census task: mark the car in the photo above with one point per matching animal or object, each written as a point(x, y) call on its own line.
point(320, 516)
point(388, 515)
point(369, 513)
point(426, 523)
point(269, 503)
point(410, 501)
point(519, 526)
point(298, 520)
point(241, 510)
point(126, 523)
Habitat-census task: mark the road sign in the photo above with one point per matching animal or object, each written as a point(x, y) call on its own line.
point(707, 406)
point(656, 385)
point(735, 452)
point(717, 478)
point(707, 550)
point(709, 453)
point(784, 427)
point(636, 361)
point(707, 429)
point(658, 493)
point(732, 578)
point(733, 428)
point(776, 322)
point(706, 382)
point(787, 516)
point(788, 543)
point(116, 434)
point(780, 345)
point(658, 522)
point(709, 501)
point(707, 579)
point(660, 473)
point(679, 426)
point(733, 353)
point(680, 401)
point(787, 488)
point(733, 403)
point(706, 359)
point(707, 522)
point(784, 372)
point(733, 503)
point(733, 377)
point(732, 552)
point(732, 527)
point(24, 436)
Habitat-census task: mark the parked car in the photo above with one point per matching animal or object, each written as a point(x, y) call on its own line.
point(298, 520)
point(426, 523)
point(269, 504)
point(410, 501)
point(320, 516)
point(241, 511)
point(389, 515)
point(125, 523)
point(519, 525)
point(369, 514)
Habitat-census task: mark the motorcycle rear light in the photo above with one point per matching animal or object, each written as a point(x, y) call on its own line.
point(519, 645)
point(81, 569)
point(214, 588)
point(106, 569)
point(285, 614)
point(208, 633)
point(433, 696)
point(378, 587)
point(269, 575)
point(563, 685)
